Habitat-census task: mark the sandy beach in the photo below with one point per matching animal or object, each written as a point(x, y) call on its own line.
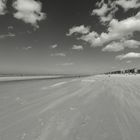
point(92, 108)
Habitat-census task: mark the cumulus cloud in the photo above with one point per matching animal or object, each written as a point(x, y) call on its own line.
point(77, 47)
point(132, 43)
point(101, 11)
point(119, 46)
point(27, 48)
point(128, 56)
point(67, 64)
point(129, 61)
point(54, 46)
point(128, 4)
point(58, 54)
point(9, 35)
point(116, 31)
point(78, 29)
point(3, 7)
point(92, 38)
point(105, 11)
point(29, 11)
point(10, 27)
point(113, 47)
point(119, 33)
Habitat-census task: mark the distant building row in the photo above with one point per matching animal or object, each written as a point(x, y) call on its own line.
point(129, 71)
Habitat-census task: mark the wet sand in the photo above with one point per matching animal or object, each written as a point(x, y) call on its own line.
point(92, 108)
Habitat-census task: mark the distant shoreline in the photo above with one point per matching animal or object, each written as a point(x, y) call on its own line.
point(25, 78)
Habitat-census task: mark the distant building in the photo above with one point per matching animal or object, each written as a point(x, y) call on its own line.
point(129, 71)
point(138, 71)
point(134, 70)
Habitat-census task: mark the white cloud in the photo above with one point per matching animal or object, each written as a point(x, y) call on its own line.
point(27, 48)
point(119, 46)
point(119, 33)
point(99, 4)
point(92, 38)
point(67, 64)
point(58, 54)
point(101, 11)
point(116, 31)
point(29, 11)
point(54, 46)
point(105, 11)
point(7, 35)
point(77, 47)
point(128, 4)
point(113, 47)
point(10, 27)
point(105, 19)
point(129, 61)
point(113, 67)
point(2, 7)
point(78, 29)
point(128, 56)
point(132, 44)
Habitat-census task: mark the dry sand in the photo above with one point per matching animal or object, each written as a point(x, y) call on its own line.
point(92, 108)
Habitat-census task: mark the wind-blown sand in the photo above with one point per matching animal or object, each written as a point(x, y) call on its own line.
point(92, 108)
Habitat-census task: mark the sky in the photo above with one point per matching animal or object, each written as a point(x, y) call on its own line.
point(69, 36)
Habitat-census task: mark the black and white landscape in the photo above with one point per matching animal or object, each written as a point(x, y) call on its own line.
point(69, 69)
